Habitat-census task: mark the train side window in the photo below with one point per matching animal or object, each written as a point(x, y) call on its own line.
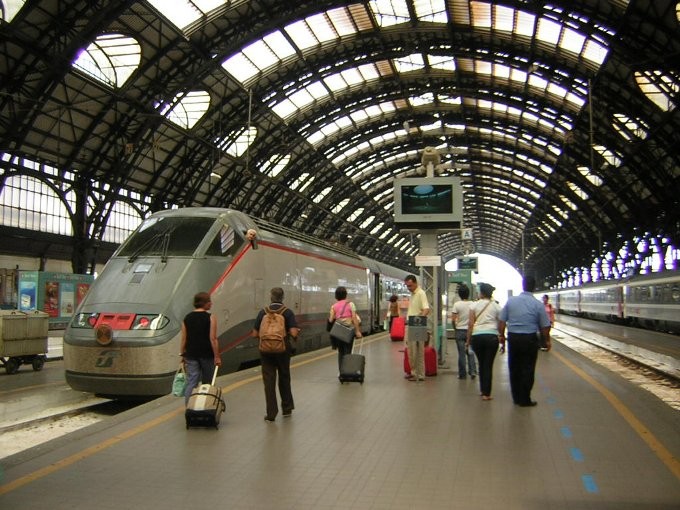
point(224, 244)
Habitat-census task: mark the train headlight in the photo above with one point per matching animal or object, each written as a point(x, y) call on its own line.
point(84, 320)
point(104, 334)
point(150, 321)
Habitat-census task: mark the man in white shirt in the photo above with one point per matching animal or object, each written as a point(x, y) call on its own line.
point(418, 306)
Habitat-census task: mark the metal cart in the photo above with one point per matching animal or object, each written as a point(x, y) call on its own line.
point(23, 339)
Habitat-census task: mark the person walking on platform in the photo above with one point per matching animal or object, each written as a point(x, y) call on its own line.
point(550, 311)
point(524, 316)
point(345, 312)
point(392, 311)
point(482, 334)
point(199, 347)
point(460, 317)
point(418, 306)
point(277, 362)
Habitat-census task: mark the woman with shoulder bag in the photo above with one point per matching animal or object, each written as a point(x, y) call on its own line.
point(344, 312)
point(482, 334)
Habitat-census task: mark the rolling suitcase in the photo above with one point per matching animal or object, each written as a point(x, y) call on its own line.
point(205, 406)
point(430, 361)
point(397, 330)
point(352, 366)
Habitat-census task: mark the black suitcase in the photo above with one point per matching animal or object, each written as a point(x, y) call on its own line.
point(205, 406)
point(352, 366)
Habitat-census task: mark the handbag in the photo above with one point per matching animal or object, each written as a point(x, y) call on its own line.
point(343, 333)
point(179, 383)
point(340, 331)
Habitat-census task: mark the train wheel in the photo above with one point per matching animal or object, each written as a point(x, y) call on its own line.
point(38, 363)
point(12, 365)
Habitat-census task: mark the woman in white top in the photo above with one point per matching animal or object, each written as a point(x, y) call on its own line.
point(460, 317)
point(482, 333)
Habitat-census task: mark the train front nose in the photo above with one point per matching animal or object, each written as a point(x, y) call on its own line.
point(121, 354)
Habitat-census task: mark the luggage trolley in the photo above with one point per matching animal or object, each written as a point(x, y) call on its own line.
point(23, 339)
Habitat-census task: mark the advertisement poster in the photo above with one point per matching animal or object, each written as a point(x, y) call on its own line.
point(81, 291)
point(51, 305)
point(27, 292)
point(66, 299)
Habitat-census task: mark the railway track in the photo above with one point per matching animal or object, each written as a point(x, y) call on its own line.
point(56, 422)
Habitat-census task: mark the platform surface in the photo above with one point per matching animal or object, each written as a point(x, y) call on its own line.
point(595, 441)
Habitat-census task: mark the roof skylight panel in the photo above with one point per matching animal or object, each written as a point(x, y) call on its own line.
point(352, 76)
point(578, 192)
point(322, 28)
point(340, 206)
point(301, 98)
point(261, 54)
point(390, 12)
point(183, 13)
point(424, 99)
point(301, 34)
point(284, 108)
point(572, 41)
point(322, 194)
point(413, 62)
point(240, 67)
point(442, 62)
point(609, 156)
point(594, 179)
point(368, 72)
point(431, 10)
point(189, 109)
point(342, 22)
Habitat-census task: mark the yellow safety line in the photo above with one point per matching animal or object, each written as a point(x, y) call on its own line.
point(72, 459)
point(645, 434)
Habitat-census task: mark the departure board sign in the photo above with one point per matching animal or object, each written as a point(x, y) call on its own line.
point(467, 263)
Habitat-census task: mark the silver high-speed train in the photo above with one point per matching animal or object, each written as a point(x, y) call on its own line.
point(650, 301)
point(124, 337)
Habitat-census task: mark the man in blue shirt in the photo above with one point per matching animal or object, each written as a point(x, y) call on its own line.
point(525, 317)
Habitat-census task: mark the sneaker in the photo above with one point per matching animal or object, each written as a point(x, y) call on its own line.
point(287, 414)
point(267, 418)
point(473, 376)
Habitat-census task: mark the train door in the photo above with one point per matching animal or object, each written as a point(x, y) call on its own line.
point(378, 296)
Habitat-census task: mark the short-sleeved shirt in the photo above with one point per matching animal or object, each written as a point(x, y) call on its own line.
point(288, 315)
point(462, 309)
point(487, 313)
point(418, 302)
point(524, 314)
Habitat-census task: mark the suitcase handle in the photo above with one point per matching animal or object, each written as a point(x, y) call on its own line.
point(214, 375)
point(361, 345)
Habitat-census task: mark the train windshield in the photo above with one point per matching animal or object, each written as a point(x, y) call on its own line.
point(167, 237)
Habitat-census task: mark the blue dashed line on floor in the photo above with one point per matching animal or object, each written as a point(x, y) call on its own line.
point(589, 484)
point(576, 454)
point(566, 432)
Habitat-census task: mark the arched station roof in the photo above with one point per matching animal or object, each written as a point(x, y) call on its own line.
point(559, 117)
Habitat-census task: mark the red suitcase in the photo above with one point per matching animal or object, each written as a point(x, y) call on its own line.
point(430, 361)
point(397, 330)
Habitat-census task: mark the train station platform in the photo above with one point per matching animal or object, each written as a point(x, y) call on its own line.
point(594, 441)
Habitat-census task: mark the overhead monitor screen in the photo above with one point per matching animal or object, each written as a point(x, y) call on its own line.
point(428, 202)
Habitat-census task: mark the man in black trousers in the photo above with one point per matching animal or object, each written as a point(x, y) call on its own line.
point(525, 318)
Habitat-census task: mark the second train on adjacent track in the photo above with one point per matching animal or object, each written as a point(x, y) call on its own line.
point(649, 301)
point(147, 288)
